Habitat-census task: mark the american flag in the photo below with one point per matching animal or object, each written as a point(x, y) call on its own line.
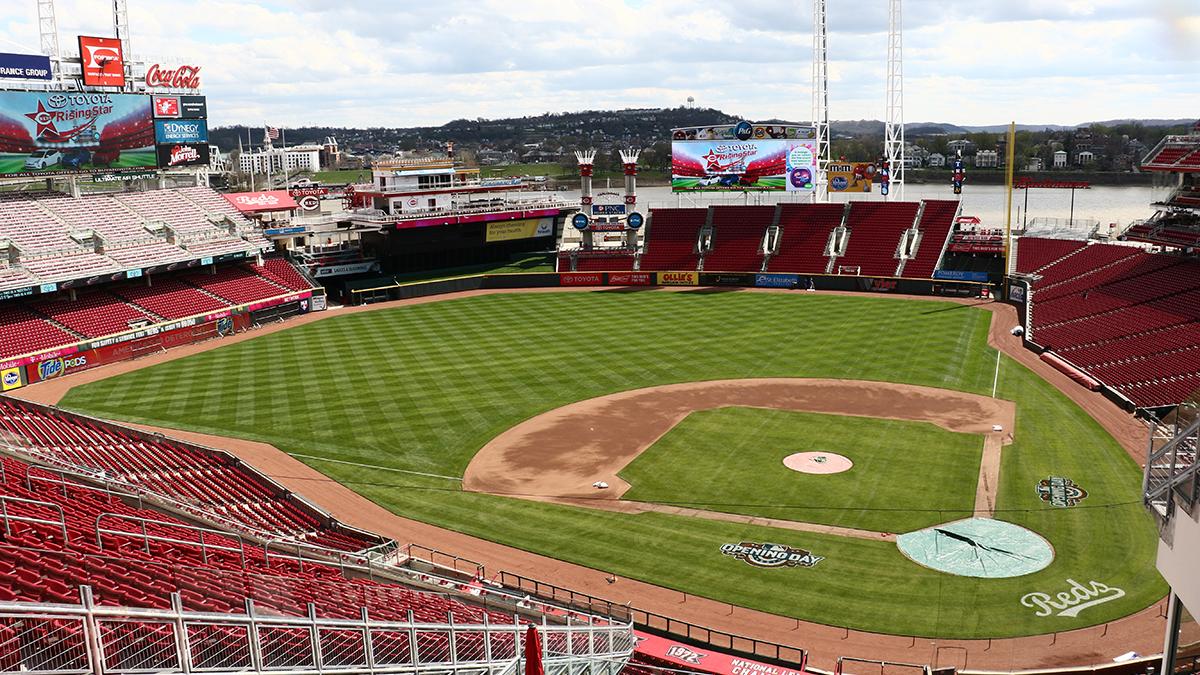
point(273, 133)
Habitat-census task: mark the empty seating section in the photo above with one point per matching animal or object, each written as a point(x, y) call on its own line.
point(607, 263)
point(57, 236)
point(93, 314)
point(671, 239)
point(37, 564)
point(237, 285)
point(805, 233)
point(936, 221)
point(23, 332)
point(1033, 253)
point(737, 238)
point(1128, 318)
point(171, 299)
point(211, 481)
point(875, 230)
point(281, 272)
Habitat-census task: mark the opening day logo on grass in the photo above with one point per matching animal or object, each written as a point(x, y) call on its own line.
point(771, 555)
point(1060, 492)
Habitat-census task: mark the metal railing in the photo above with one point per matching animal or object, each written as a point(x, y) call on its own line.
point(144, 535)
point(89, 638)
point(1173, 471)
point(374, 216)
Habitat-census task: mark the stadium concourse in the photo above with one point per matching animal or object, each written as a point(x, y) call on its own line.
point(824, 644)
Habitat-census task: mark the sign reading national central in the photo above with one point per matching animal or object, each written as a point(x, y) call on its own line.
point(102, 61)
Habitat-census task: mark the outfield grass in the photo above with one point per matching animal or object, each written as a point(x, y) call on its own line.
point(421, 388)
point(906, 475)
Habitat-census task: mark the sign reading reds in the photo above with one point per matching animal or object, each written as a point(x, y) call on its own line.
point(771, 555)
point(182, 77)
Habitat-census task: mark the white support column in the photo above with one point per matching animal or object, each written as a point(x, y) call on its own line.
point(820, 97)
point(893, 134)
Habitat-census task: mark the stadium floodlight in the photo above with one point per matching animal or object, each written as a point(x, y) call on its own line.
point(820, 97)
point(893, 133)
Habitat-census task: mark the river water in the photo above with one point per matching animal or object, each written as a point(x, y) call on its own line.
point(1103, 204)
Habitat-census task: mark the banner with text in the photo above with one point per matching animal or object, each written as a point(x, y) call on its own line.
point(519, 229)
point(678, 278)
point(743, 157)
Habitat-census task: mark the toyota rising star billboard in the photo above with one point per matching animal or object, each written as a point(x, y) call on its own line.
point(47, 133)
point(743, 157)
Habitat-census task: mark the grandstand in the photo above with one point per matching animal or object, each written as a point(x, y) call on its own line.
point(1128, 319)
point(121, 554)
point(1176, 224)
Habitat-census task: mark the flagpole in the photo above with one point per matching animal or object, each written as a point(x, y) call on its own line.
point(286, 178)
point(250, 142)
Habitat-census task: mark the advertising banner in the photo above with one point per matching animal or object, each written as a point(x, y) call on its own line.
point(851, 177)
point(52, 133)
point(608, 209)
point(180, 107)
point(102, 61)
point(183, 154)
point(776, 280)
point(726, 279)
point(961, 275)
point(581, 279)
point(180, 131)
point(25, 67)
point(254, 202)
point(519, 229)
point(692, 658)
point(678, 278)
point(743, 157)
point(12, 378)
point(631, 278)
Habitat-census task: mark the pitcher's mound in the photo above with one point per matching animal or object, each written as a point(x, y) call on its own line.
point(817, 462)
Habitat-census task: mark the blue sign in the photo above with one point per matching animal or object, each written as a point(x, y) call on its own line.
point(743, 131)
point(48, 288)
point(579, 221)
point(635, 220)
point(181, 131)
point(270, 231)
point(776, 280)
point(133, 274)
point(25, 67)
point(206, 261)
point(960, 275)
point(608, 209)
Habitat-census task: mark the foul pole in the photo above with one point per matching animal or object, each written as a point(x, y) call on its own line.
point(1008, 183)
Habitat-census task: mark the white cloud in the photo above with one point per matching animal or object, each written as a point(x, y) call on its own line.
point(383, 63)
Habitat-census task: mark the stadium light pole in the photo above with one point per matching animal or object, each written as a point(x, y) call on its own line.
point(820, 97)
point(48, 28)
point(1008, 182)
point(893, 132)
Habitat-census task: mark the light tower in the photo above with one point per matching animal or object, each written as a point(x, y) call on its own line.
point(820, 97)
point(48, 28)
point(893, 131)
point(121, 28)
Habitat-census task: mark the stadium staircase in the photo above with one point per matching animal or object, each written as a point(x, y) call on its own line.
point(805, 232)
point(1127, 318)
point(738, 233)
point(876, 230)
point(671, 239)
point(935, 223)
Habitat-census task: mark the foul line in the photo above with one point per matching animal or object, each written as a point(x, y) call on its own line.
point(373, 466)
point(996, 377)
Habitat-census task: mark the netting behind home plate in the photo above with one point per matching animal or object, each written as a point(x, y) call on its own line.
point(847, 665)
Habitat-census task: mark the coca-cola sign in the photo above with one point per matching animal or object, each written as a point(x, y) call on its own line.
point(179, 77)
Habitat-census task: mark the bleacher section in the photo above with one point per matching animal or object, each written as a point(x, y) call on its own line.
point(875, 230)
point(47, 561)
point(737, 238)
point(61, 321)
point(806, 229)
point(214, 483)
point(58, 238)
point(671, 238)
point(937, 219)
point(1127, 318)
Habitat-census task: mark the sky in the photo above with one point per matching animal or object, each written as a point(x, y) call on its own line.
point(399, 63)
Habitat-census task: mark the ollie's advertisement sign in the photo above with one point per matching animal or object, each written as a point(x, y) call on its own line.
point(102, 60)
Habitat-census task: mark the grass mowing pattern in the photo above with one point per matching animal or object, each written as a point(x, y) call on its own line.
point(423, 387)
point(906, 475)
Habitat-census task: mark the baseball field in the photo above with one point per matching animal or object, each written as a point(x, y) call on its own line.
point(396, 404)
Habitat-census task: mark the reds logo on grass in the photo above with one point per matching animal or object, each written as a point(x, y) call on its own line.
point(771, 555)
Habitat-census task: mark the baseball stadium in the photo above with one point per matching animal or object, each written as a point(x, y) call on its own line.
point(790, 435)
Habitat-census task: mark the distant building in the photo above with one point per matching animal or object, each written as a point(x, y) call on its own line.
point(1084, 158)
point(986, 159)
point(937, 159)
point(962, 145)
point(1060, 159)
point(1035, 164)
point(297, 157)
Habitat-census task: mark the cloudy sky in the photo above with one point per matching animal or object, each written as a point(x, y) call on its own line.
point(411, 62)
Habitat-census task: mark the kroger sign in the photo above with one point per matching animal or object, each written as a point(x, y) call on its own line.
point(181, 131)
